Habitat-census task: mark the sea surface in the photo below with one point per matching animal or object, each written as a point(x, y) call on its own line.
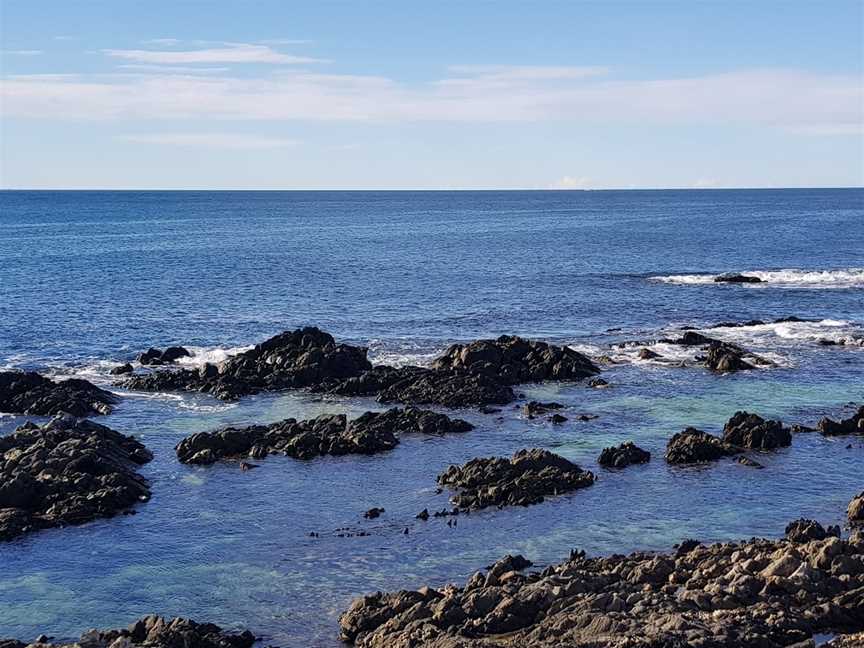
point(90, 279)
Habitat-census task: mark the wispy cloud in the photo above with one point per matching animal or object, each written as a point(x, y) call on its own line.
point(165, 42)
point(284, 41)
point(21, 52)
point(234, 53)
point(230, 141)
point(172, 69)
point(526, 72)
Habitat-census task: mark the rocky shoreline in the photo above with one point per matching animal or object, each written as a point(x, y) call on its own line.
point(751, 594)
point(27, 392)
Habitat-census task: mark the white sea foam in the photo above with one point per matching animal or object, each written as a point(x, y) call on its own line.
point(790, 278)
point(403, 353)
point(213, 355)
point(839, 332)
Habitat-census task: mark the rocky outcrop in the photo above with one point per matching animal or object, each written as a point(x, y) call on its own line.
point(526, 478)
point(694, 446)
point(624, 455)
point(67, 472)
point(725, 357)
point(152, 632)
point(27, 392)
point(855, 510)
point(753, 432)
point(511, 360)
point(753, 594)
point(153, 356)
point(734, 277)
point(852, 425)
point(122, 370)
point(533, 409)
point(371, 433)
point(301, 358)
point(803, 530)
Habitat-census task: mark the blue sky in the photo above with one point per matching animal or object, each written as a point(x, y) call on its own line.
point(379, 95)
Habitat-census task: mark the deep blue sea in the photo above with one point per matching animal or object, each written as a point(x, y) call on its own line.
point(90, 279)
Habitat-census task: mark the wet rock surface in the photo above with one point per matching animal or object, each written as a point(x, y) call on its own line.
point(512, 360)
point(753, 432)
point(623, 455)
point(855, 510)
point(527, 478)
point(753, 594)
point(151, 632)
point(67, 472)
point(536, 408)
point(735, 277)
point(370, 433)
point(695, 446)
point(852, 425)
point(153, 356)
point(293, 359)
point(27, 392)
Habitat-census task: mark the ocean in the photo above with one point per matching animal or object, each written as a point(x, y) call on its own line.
point(88, 279)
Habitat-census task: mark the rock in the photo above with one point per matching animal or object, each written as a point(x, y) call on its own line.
point(846, 641)
point(527, 478)
point(373, 513)
point(736, 278)
point(152, 632)
point(67, 472)
point(151, 356)
point(725, 357)
point(326, 435)
point(852, 425)
point(695, 446)
point(753, 594)
point(536, 408)
point(648, 354)
point(423, 515)
point(855, 511)
point(624, 455)
point(750, 463)
point(753, 432)
point(692, 338)
point(557, 419)
point(174, 353)
point(511, 360)
point(802, 531)
point(302, 358)
point(26, 392)
point(598, 383)
point(122, 369)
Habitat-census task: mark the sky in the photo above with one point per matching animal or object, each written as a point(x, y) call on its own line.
point(181, 94)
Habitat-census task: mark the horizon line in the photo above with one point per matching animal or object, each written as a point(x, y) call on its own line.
point(442, 190)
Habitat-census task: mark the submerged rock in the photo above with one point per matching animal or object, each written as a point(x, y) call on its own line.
point(536, 408)
point(753, 594)
point(852, 425)
point(696, 446)
point(734, 277)
point(752, 431)
point(511, 360)
point(526, 478)
point(67, 472)
point(152, 632)
point(27, 392)
point(326, 435)
point(301, 358)
point(624, 455)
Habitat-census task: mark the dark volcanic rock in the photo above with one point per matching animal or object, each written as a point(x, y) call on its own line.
point(852, 425)
point(725, 357)
point(624, 455)
point(536, 408)
point(326, 435)
point(301, 358)
point(750, 463)
point(753, 432)
point(648, 354)
point(526, 478)
point(154, 632)
point(734, 277)
point(803, 530)
point(66, 472)
point(121, 370)
point(153, 356)
point(26, 392)
point(754, 594)
point(695, 446)
point(511, 360)
point(855, 511)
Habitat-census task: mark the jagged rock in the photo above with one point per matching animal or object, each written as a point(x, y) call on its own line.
point(302, 358)
point(511, 360)
point(526, 478)
point(624, 455)
point(725, 357)
point(536, 408)
point(734, 277)
point(67, 472)
point(326, 435)
point(753, 594)
point(373, 513)
point(801, 531)
point(752, 431)
point(852, 425)
point(855, 511)
point(121, 370)
point(152, 632)
point(695, 446)
point(26, 392)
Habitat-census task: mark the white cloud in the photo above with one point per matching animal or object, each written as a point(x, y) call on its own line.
point(166, 42)
point(233, 53)
point(572, 182)
point(21, 52)
point(172, 69)
point(230, 141)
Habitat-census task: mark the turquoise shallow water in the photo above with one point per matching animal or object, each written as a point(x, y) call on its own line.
point(89, 279)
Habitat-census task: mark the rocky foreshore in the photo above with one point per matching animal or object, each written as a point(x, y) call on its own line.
point(751, 594)
point(527, 478)
point(149, 632)
point(67, 472)
point(27, 392)
point(370, 433)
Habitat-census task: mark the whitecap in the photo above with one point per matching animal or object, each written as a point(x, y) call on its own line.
point(788, 278)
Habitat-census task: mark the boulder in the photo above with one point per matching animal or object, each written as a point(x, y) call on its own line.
point(855, 511)
point(536, 408)
point(695, 446)
point(65, 472)
point(734, 277)
point(624, 455)
point(752, 431)
point(852, 425)
point(526, 478)
point(801, 531)
point(725, 357)
point(121, 370)
point(27, 392)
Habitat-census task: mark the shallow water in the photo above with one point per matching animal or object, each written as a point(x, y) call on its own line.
point(88, 279)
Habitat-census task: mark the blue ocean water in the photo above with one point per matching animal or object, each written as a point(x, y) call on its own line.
point(89, 279)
